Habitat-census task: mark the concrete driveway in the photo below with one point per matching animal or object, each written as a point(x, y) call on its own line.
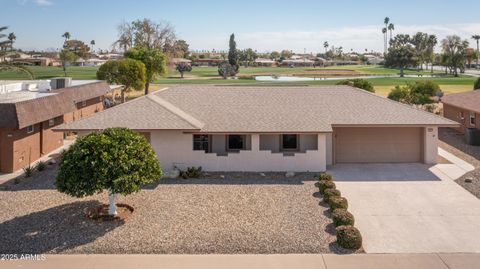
point(410, 208)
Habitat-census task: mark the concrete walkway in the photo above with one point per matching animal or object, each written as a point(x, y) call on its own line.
point(306, 261)
point(411, 208)
point(7, 177)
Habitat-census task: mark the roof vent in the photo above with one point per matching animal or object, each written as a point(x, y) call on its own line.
point(59, 83)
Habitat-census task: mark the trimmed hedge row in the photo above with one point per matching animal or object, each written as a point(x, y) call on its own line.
point(348, 236)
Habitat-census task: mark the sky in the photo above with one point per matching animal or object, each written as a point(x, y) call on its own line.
point(301, 25)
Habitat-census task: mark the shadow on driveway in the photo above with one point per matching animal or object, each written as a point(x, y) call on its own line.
point(52, 230)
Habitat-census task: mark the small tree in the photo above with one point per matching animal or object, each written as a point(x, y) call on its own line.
point(66, 56)
point(399, 94)
point(183, 67)
point(226, 70)
point(153, 59)
point(128, 72)
point(118, 160)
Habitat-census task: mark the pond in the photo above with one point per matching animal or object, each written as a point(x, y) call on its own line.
point(293, 78)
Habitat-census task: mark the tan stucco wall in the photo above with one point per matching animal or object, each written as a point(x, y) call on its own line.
point(176, 148)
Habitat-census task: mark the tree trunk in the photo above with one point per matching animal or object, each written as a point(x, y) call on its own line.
point(147, 85)
point(112, 200)
point(181, 74)
point(123, 95)
point(401, 71)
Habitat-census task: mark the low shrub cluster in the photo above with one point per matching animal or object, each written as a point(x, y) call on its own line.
point(191, 172)
point(342, 217)
point(347, 235)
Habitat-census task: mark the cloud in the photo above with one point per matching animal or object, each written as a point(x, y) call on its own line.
point(43, 2)
point(357, 38)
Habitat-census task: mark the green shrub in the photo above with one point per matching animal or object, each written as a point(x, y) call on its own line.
point(325, 184)
point(349, 237)
point(341, 217)
point(476, 86)
point(28, 170)
point(337, 202)
point(41, 165)
point(325, 176)
point(192, 172)
point(329, 193)
point(358, 83)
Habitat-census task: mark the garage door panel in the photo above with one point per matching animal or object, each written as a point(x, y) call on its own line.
point(367, 145)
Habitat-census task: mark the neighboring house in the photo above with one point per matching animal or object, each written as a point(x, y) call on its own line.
point(264, 62)
point(463, 108)
point(255, 128)
point(30, 109)
point(176, 61)
point(207, 62)
point(298, 62)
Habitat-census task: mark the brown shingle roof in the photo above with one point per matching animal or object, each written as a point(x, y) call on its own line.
point(466, 100)
point(260, 109)
point(18, 115)
point(143, 113)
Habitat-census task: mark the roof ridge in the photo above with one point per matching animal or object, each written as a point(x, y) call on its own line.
point(402, 104)
point(177, 111)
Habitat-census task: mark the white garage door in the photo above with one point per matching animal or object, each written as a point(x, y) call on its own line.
point(378, 145)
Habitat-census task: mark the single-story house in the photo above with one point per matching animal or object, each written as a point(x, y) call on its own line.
point(30, 109)
point(298, 62)
point(260, 128)
point(264, 62)
point(463, 108)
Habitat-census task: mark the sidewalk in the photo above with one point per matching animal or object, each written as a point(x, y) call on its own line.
point(317, 261)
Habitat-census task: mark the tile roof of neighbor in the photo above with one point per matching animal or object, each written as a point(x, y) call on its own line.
point(466, 100)
point(257, 109)
point(18, 113)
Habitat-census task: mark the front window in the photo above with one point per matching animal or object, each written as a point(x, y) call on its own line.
point(289, 142)
point(201, 142)
point(472, 118)
point(236, 142)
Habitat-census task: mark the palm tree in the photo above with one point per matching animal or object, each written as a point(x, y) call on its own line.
point(66, 35)
point(325, 45)
point(384, 32)
point(390, 28)
point(12, 37)
point(4, 66)
point(477, 38)
point(92, 43)
point(386, 21)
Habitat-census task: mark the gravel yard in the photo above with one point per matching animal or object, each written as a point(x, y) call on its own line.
point(240, 213)
point(454, 142)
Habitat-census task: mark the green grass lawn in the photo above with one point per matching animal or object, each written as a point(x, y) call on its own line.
point(209, 75)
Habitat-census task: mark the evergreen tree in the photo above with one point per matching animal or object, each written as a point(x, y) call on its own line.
point(233, 53)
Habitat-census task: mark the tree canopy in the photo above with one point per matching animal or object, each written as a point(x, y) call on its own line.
point(127, 72)
point(153, 59)
point(118, 160)
point(183, 67)
point(401, 53)
point(79, 48)
point(454, 53)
